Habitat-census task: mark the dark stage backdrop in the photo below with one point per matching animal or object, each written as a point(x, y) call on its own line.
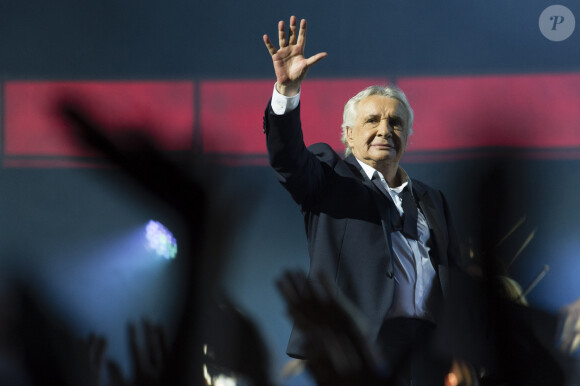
point(495, 86)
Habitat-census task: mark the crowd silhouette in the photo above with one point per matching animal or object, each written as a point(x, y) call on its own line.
point(488, 338)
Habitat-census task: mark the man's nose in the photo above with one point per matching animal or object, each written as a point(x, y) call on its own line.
point(383, 129)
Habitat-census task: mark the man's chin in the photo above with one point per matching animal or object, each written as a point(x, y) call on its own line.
point(383, 155)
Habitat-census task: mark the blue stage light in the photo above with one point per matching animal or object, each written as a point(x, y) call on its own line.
point(160, 240)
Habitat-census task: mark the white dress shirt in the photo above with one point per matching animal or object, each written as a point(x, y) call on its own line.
point(414, 272)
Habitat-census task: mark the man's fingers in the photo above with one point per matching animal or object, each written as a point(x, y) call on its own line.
point(99, 353)
point(115, 374)
point(289, 289)
point(328, 286)
point(281, 34)
point(163, 345)
point(315, 58)
point(271, 49)
point(134, 347)
point(302, 34)
point(292, 33)
point(151, 346)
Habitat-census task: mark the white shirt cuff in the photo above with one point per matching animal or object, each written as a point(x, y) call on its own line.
point(282, 104)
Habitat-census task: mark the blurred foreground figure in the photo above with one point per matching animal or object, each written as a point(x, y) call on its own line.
point(213, 340)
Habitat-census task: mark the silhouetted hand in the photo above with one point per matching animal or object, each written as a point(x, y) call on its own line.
point(337, 350)
point(148, 362)
point(94, 349)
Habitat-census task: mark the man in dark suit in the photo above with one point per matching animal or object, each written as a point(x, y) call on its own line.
point(386, 240)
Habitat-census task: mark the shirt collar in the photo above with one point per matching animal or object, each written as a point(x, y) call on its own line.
point(369, 171)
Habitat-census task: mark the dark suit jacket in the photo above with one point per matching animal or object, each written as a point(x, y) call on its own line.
point(347, 220)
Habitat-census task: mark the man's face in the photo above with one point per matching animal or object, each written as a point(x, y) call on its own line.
point(379, 135)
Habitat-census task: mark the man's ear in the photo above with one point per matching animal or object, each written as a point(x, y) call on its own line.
point(407, 136)
point(349, 136)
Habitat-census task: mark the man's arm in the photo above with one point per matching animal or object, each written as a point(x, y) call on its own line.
point(298, 170)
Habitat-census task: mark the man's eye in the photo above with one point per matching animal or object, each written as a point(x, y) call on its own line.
point(372, 120)
point(396, 124)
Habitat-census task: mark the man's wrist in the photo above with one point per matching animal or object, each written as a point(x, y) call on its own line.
point(282, 104)
point(289, 91)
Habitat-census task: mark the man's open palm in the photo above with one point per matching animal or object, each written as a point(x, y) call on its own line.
point(290, 65)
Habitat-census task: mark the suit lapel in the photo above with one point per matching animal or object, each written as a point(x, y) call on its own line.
point(360, 173)
point(383, 203)
point(355, 166)
point(433, 221)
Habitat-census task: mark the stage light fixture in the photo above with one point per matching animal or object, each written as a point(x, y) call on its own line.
point(160, 240)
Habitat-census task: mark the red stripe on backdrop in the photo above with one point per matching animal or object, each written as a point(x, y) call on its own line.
point(163, 110)
point(231, 113)
point(523, 111)
point(452, 114)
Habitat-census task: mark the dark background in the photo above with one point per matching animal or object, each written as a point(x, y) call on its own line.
point(69, 230)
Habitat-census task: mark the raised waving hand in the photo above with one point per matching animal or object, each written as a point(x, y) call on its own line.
point(289, 62)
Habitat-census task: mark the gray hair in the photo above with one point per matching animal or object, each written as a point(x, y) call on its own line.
point(349, 115)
